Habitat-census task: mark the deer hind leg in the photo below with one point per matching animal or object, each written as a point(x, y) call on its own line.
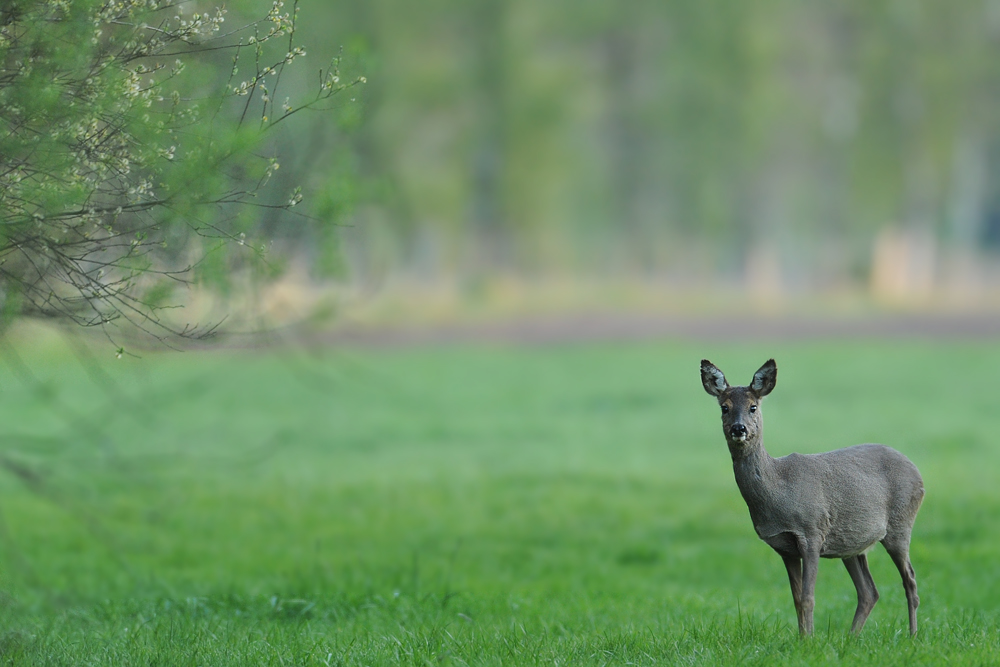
point(900, 554)
point(794, 566)
point(857, 567)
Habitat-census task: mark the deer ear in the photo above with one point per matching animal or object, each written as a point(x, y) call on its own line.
point(765, 378)
point(712, 378)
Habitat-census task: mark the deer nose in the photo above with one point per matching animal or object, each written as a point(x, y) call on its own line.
point(738, 431)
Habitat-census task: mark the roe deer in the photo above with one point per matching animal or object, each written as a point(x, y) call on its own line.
point(811, 506)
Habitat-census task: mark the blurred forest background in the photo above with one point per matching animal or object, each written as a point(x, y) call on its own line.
point(773, 148)
point(695, 151)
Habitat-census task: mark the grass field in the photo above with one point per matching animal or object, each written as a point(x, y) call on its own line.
point(481, 505)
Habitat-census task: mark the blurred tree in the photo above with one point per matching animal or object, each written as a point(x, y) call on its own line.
point(624, 129)
point(489, 155)
point(678, 137)
point(123, 174)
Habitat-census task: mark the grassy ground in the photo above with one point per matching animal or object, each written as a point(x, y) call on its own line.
point(479, 505)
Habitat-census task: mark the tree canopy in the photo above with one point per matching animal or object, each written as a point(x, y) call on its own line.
point(134, 137)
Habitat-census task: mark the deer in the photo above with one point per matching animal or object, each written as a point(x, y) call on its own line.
point(837, 504)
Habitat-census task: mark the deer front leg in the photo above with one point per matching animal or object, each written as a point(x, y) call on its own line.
point(810, 566)
point(794, 566)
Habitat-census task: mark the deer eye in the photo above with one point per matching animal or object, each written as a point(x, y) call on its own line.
point(725, 409)
point(753, 408)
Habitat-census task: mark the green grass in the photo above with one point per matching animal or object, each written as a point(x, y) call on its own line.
point(481, 505)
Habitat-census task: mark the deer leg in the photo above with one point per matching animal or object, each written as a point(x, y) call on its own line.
point(794, 566)
point(810, 566)
point(857, 567)
point(901, 557)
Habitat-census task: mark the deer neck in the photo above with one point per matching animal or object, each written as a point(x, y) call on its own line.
point(752, 466)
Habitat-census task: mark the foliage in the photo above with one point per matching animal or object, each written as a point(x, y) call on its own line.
point(680, 136)
point(572, 505)
point(125, 158)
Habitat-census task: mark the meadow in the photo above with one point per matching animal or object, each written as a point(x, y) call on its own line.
point(470, 504)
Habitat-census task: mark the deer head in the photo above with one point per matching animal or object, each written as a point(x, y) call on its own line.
point(741, 418)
